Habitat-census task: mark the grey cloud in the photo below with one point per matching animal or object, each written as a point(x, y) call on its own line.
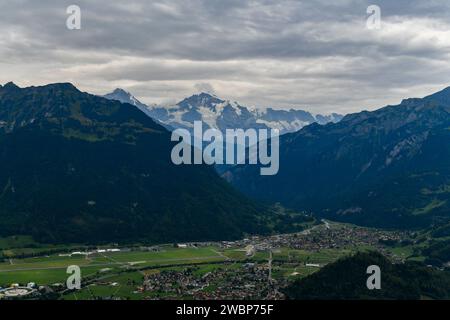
point(204, 87)
point(313, 54)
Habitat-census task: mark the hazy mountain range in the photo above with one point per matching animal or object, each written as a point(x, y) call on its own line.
point(223, 114)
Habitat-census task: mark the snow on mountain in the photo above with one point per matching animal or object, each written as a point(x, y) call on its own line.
point(223, 114)
point(126, 97)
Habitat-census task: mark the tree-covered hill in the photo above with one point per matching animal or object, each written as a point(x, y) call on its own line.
point(346, 279)
point(81, 168)
point(385, 168)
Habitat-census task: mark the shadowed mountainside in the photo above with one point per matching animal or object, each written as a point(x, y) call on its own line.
point(81, 168)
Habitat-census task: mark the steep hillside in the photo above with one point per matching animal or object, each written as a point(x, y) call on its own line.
point(81, 168)
point(346, 279)
point(388, 168)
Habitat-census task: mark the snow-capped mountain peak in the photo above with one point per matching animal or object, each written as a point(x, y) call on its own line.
point(126, 97)
point(223, 114)
point(123, 96)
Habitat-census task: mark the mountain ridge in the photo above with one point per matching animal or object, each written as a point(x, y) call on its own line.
point(84, 169)
point(224, 114)
point(382, 168)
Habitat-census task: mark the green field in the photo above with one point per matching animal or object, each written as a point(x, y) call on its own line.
point(41, 276)
point(120, 267)
point(51, 269)
point(121, 274)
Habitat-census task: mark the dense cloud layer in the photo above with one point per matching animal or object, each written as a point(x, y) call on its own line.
point(309, 54)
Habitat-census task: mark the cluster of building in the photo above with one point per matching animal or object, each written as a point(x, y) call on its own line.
point(250, 281)
point(170, 282)
point(320, 237)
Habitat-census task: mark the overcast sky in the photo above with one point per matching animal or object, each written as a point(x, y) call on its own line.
point(305, 54)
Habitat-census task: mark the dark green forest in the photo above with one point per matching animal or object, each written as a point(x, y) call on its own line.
point(346, 279)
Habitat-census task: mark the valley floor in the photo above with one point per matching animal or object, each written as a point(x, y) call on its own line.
point(254, 268)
